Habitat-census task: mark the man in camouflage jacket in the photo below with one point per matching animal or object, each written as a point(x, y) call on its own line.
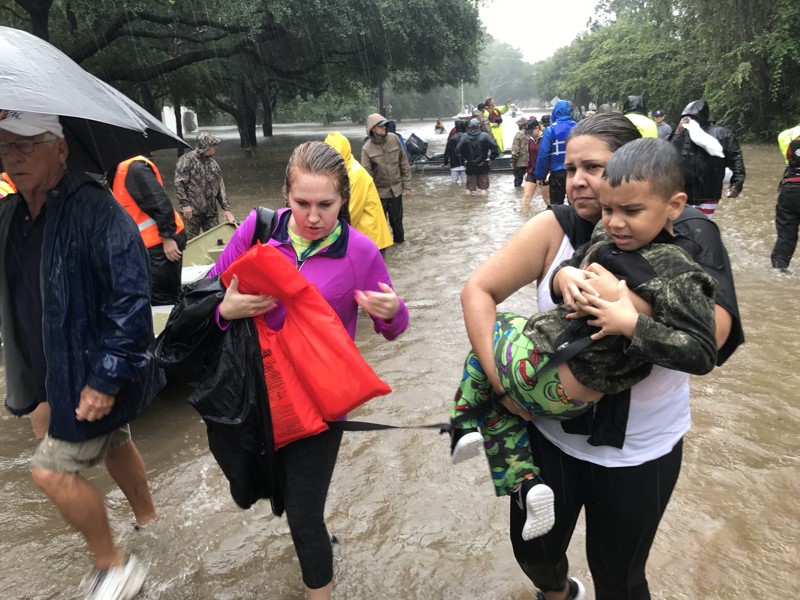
point(199, 187)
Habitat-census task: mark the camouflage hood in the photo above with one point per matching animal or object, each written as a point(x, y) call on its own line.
point(204, 141)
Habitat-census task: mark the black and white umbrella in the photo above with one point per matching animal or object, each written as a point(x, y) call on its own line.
point(101, 124)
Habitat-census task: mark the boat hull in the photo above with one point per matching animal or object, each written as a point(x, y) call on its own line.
point(435, 165)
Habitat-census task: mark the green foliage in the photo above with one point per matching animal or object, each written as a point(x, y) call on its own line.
point(741, 55)
point(238, 55)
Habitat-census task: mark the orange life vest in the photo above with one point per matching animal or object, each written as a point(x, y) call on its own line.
point(147, 226)
point(6, 185)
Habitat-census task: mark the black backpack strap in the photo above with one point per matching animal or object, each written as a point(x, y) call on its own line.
point(266, 220)
point(366, 426)
point(563, 353)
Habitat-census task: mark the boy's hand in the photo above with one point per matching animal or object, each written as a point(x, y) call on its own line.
point(574, 286)
point(616, 317)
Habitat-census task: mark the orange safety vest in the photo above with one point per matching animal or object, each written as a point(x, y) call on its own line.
point(6, 185)
point(147, 226)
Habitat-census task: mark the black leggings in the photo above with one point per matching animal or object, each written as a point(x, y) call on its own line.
point(307, 469)
point(623, 506)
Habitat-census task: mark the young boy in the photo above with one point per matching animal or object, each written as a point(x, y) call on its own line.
point(554, 365)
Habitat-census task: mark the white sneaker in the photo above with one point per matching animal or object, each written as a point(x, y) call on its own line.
point(540, 504)
point(117, 583)
point(576, 590)
point(466, 446)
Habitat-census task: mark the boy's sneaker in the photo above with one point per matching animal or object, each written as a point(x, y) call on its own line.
point(465, 444)
point(538, 499)
point(116, 583)
point(576, 590)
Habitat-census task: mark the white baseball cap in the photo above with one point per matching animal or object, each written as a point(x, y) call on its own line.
point(30, 123)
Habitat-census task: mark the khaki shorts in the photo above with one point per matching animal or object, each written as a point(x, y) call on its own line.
point(69, 457)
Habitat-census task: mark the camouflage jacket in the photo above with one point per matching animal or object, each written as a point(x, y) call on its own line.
point(199, 184)
point(519, 150)
point(680, 335)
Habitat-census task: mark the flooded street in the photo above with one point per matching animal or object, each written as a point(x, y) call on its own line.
point(411, 525)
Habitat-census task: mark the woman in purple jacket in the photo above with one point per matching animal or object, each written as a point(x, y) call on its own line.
point(348, 270)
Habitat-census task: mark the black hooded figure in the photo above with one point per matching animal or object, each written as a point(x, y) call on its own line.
point(634, 104)
point(704, 174)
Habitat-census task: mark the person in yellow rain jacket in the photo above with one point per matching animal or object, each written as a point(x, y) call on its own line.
point(784, 139)
point(635, 109)
point(6, 185)
point(492, 114)
point(366, 211)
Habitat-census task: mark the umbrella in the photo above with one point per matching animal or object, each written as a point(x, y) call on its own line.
point(101, 124)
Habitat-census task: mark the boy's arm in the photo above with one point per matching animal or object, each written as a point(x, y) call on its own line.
point(681, 334)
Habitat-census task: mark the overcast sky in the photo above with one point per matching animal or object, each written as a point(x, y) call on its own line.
point(537, 29)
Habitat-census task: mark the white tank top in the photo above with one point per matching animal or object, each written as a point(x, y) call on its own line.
point(659, 411)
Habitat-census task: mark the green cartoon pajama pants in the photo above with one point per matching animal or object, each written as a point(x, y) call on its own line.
point(505, 435)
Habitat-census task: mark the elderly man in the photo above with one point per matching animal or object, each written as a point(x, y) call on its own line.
point(76, 322)
point(199, 186)
point(383, 157)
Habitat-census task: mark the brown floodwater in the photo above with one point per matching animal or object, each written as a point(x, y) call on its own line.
point(411, 525)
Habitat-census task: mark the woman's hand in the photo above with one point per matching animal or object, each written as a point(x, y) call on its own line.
point(515, 409)
point(383, 305)
point(613, 317)
point(236, 305)
point(574, 286)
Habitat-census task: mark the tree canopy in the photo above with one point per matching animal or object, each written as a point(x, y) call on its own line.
point(243, 56)
point(740, 55)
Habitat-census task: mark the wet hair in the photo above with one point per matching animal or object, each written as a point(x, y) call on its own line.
point(647, 159)
point(614, 129)
point(461, 125)
point(318, 158)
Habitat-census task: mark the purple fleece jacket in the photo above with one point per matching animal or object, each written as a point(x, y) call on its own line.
point(351, 263)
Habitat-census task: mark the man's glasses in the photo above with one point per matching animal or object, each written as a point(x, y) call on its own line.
point(24, 146)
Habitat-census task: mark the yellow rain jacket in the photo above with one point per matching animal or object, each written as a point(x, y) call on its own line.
point(646, 126)
point(366, 211)
point(785, 138)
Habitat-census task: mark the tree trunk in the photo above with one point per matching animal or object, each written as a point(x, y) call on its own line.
point(176, 107)
point(267, 106)
point(381, 107)
point(245, 115)
point(39, 12)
